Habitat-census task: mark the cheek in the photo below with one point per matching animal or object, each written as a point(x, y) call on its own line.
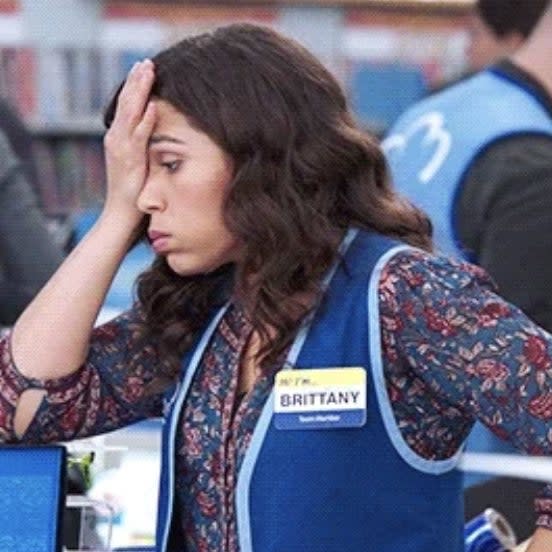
point(213, 201)
point(206, 185)
point(206, 215)
point(208, 257)
point(221, 245)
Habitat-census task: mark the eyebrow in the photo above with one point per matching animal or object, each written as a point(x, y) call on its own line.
point(157, 138)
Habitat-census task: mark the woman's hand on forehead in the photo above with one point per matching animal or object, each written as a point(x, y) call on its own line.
point(126, 142)
point(133, 98)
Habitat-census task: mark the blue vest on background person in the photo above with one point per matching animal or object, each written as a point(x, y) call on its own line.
point(326, 490)
point(430, 149)
point(433, 144)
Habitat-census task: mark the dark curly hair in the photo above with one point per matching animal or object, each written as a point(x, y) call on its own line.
point(304, 173)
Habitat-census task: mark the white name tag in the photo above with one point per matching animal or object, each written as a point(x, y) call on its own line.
point(320, 398)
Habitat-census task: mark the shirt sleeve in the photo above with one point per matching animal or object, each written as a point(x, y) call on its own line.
point(543, 508)
point(118, 384)
point(503, 218)
point(464, 354)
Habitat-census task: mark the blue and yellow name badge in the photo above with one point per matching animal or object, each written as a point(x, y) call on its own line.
point(320, 398)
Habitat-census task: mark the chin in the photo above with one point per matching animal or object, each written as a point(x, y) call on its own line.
point(184, 269)
point(189, 268)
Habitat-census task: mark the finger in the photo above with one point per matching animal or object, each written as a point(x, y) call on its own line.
point(134, 94)
point(145, 127)
point(127, 85)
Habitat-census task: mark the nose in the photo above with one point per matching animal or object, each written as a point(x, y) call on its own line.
point(149, 199)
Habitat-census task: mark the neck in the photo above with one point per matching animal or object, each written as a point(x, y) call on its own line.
point(534, 56)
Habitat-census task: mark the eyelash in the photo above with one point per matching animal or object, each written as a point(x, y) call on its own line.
point(171, 166)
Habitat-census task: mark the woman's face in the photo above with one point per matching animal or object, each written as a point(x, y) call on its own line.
point(184, 193)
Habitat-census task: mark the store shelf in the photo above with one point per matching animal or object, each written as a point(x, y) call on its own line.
point(76, 126)
point(437, 5)
point(62, 90)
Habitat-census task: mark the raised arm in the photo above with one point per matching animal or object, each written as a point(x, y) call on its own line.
point(51, 338)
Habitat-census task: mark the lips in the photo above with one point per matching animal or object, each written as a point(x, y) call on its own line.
point(159, 240)
point(154, 234)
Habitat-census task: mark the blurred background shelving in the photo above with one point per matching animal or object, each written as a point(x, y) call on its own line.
point(60, 66)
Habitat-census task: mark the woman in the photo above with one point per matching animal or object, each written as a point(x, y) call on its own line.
point(280, 249)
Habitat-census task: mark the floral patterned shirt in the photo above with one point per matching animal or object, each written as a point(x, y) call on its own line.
point(208, 462)
point(453, 352)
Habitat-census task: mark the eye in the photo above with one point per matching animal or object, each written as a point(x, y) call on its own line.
point(171, 166)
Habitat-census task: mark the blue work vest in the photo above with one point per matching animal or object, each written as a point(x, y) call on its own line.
point(358, 489)
point(433, 144)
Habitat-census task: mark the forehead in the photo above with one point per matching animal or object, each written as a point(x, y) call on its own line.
point(167, 114)
point(174, 124)
point(174, 132)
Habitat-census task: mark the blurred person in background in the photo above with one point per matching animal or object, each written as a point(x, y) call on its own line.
point(497, 28)
point(477, 157)
point(21, 141)
point(29, 254)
